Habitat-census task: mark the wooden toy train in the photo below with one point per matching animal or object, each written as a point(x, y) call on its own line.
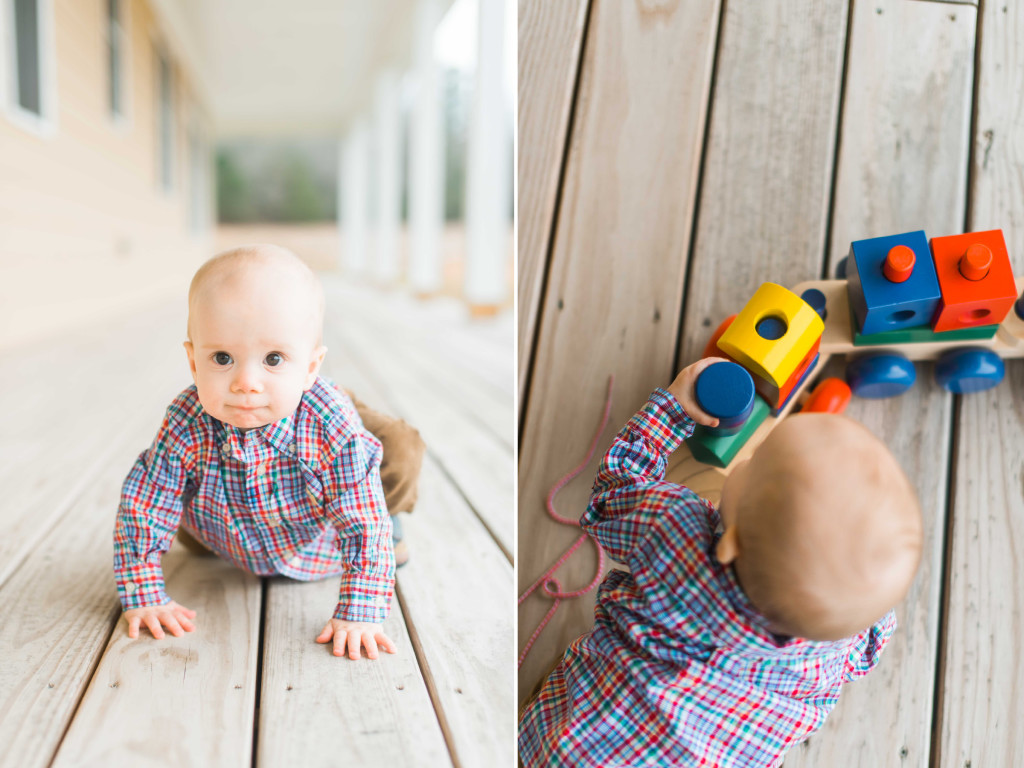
point(898, 298)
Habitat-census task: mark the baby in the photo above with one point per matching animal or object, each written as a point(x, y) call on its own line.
point(262, 461)
point(729, 639)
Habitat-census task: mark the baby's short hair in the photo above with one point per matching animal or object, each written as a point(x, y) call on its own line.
point(829, 528)
point(230, 262)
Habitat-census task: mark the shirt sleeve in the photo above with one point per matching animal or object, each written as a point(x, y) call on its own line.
point(630, 487)
point(147, 519)
point(356, 507)
point(867, 647)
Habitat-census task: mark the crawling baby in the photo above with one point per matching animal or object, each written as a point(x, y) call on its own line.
point(730, 637)
point(261, 461)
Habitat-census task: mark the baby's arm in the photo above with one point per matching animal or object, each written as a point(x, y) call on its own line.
point(630, 486)
point(355, 504)
point(147, 517)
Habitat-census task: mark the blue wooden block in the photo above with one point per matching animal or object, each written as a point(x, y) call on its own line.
point(725, 390)
point(879, 304)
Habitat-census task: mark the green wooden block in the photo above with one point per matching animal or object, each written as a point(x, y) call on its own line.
point(719, 450)
point(924, 333)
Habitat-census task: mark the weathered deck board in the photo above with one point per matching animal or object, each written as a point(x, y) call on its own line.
point(180, 700)
point(983, 673)
point(58, 609)
point(319, 709)
point(58, 433)
point(456, 593)
point(550, 43)
point(902, 166)
point(477, 462)
point(768, 164)
point(615, 278)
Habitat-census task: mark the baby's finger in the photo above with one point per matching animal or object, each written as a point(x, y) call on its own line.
point(133, 626)
point(168, 620)
point(385, 642)
point(339, 642)
point(371, 646)
point(187, 625)
point(354, 643)
point(153, 623)
point(326, 633)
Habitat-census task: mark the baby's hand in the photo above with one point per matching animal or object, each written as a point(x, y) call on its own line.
point(682, 389)
point(177, 619)
point(356, 634)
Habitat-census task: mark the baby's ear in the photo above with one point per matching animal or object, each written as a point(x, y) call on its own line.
point(315, 361)
point(728, 546)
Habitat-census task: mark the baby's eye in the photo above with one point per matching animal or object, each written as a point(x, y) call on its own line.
point(222, 358)
point(273, 359)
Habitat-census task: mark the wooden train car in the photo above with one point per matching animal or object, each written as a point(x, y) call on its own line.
point(897, 299)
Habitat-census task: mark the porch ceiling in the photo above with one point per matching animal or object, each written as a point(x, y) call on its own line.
point(276, 67)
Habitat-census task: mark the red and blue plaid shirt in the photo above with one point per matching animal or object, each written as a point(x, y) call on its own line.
point(300, 497)
point(681, 669)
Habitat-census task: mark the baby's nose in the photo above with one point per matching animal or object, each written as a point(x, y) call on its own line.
point(246, 380)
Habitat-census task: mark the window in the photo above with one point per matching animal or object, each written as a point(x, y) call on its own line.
point(116, 57)
point(31, 98)
point(165, 121)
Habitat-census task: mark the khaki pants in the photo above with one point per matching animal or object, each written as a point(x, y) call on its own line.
point(399, 465)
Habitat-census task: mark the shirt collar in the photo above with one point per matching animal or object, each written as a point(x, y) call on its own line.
point(280, 435)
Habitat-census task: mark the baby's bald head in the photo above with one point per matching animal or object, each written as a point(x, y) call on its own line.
point(260, 272)
point(828, 528)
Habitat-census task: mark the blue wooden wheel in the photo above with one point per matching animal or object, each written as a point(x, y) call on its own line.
point(962, 371)
point(884, 374)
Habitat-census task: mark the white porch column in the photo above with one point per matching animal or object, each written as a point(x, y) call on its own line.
point(388, 145)
point(426, 161)
point(353, 208)
point(487, 174)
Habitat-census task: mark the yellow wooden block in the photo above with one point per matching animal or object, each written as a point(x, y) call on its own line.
point(772, 359)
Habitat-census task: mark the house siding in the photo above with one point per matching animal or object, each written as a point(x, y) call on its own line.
point(86, 230)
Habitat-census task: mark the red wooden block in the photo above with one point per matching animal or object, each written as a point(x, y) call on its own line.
point(830, 396)
point(777, 395)
point(711, 348)
point(976, 280)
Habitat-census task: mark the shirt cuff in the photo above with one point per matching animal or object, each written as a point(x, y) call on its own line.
point(363, 599)
point(662, 421)
point(140, 584)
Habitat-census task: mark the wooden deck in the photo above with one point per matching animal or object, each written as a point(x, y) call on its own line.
point(673, 156)
point(251, 687)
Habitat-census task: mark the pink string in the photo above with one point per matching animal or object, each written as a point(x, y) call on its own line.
point(548, 583)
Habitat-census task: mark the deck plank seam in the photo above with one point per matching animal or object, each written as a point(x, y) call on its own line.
point(549, 246)
point(428, 677)
point(837, 146)
point(698, 189)
point(87, 682)
point(260, 650)
point(938, 688)
point(439, 461)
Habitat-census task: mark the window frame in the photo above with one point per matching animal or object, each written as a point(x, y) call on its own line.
point(43, 124)
point(122, 119)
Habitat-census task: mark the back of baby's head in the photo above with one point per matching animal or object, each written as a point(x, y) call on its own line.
point(829, 527)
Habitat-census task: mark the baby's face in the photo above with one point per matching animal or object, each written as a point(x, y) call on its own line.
point(253, 351)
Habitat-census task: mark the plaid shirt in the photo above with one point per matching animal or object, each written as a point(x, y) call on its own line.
point(681, 669)
point(300, 497)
